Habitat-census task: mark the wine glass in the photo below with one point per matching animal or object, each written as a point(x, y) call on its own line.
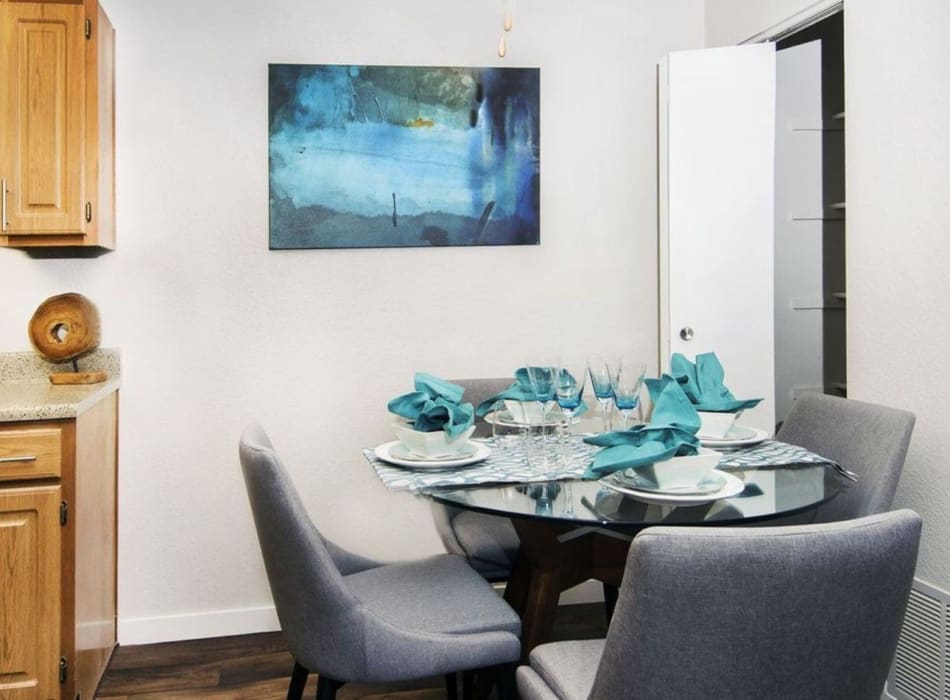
point(541, 376)
point(600, 383)
point(569, 380)
point(626, 380)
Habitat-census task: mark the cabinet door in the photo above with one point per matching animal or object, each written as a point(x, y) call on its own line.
point(717, 136)
point(42, 115)
point(30, 593)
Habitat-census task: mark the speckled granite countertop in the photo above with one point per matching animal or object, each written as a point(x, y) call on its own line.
point(27, 394)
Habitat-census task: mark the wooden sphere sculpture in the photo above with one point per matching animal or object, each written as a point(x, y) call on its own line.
point(63, 328)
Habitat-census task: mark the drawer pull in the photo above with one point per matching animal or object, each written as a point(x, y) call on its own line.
point(24, 458)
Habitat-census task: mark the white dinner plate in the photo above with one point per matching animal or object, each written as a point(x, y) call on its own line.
point(738, 436)
point(396, 453)
point(632, 479)
point(505, 418)
point(732, 486)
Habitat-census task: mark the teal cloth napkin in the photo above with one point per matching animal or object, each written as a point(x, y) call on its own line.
point(520, 390)
point(671, 432)
point(703, 384)
point(434, 405)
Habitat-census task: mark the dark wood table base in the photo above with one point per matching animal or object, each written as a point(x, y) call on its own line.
point(552, 559)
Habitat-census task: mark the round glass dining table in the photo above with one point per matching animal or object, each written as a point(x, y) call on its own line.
point(766, 493)
point(572, 531)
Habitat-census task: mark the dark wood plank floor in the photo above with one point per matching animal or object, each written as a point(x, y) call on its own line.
point(257, 667)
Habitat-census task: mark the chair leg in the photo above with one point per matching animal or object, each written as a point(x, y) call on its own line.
point(451, 687)
point(506, 682)
point(467, 684)
point(611, 593)
point(327, 687)
point(298, 681)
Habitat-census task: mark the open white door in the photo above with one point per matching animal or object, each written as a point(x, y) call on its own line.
point(716, 190)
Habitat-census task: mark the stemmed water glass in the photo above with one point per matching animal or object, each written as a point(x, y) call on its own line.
point(541, 376)
point(600, 383)
point(626, 380)
point(569, 380)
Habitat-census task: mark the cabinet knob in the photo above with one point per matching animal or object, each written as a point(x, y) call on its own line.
point(686, 333)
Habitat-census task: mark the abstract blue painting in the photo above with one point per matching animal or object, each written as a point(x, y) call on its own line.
point(385, 156)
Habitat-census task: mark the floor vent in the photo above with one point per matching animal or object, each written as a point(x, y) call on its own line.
point(919, 671)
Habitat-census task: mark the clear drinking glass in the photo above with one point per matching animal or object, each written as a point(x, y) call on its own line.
point(597, 368)
point(541, 374)
point(570, 379)
point(626, 381)
point(508, 434)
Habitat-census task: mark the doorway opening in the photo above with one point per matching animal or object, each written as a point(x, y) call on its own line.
point(810, 209)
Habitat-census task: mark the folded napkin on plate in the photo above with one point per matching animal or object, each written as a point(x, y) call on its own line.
point(671, 432)
point(520, 390)
point(703, 385)
point(434, 405)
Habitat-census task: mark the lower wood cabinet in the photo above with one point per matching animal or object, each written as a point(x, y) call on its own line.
point(57, 554)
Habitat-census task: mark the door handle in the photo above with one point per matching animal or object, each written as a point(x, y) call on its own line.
point(686, 333)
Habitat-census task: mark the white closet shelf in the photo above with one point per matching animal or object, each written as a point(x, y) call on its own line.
point(816, 125)
point(832, 303)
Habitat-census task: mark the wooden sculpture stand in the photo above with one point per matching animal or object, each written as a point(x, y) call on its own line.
point(64, 327)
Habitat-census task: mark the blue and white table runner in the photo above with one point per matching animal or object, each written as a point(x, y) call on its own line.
point(511, 466)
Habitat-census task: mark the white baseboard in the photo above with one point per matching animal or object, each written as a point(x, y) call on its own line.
point(226, 623)
point(217, 623)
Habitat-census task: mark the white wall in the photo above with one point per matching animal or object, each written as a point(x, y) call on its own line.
point(216, 331)
point(734, 21)
point(897, 92)
point(897, 67)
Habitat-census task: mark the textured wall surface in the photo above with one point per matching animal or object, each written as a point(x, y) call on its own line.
point(897, 66)
point(216, 331)
point(897, 95)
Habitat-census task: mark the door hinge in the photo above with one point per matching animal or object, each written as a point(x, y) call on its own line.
point(88, 28)
point(63, 512)
point(88, 212)
point(63, 669)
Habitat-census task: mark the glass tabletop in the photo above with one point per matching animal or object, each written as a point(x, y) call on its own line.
point(764, 493)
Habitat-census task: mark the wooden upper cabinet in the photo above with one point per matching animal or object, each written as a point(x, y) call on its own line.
point(56, 125)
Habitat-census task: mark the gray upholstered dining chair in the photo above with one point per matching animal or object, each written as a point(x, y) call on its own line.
point(806, 611)
point(348, 618)
point(865, 438)
point(489, 542)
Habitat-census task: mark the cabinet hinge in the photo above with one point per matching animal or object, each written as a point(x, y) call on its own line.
point(88, 28)
point(63, 669)
point(88, 212)
point(63, 512)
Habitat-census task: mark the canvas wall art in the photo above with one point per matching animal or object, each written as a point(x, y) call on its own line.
point(385, 156)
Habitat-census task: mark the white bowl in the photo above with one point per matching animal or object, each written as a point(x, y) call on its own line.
point(716, 425)
point(685, 472)
point(434, 444)
point(529, 412)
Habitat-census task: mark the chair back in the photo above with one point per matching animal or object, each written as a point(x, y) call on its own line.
point(482, 389)
point(476, 391)
point(811, 611)
point(318, 615)
point(865, 438)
